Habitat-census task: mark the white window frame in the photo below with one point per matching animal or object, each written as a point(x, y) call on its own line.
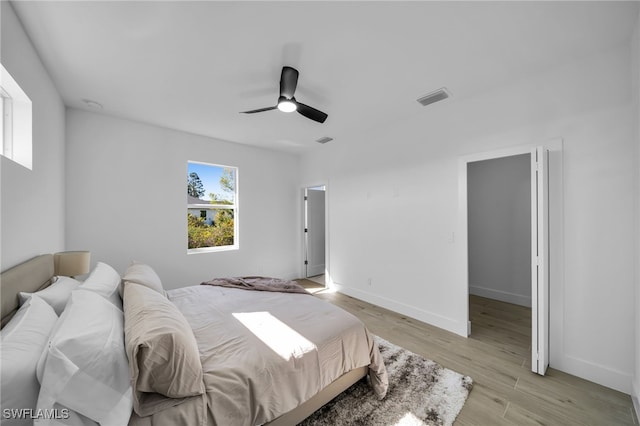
point(211, 206)
point(16, 117)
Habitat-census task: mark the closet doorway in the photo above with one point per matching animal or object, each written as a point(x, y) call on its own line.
point(499, 240)
point(504, 200)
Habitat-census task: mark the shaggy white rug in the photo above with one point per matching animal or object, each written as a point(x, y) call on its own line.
point(420, 393)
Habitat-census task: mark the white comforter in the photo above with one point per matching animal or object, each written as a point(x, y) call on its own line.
point(265, 353)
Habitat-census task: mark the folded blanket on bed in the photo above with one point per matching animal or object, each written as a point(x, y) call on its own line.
point(258, 284)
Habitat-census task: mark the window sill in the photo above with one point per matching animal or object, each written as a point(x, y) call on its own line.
point(212, 249)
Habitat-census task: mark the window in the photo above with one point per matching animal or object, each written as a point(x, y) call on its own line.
point(212, 207)
point(7, 121)
point(15, 118)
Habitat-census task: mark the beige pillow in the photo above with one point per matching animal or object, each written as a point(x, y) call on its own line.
point(142, 274)
point(162, 350)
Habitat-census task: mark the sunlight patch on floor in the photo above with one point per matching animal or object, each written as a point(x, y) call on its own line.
point(319, 290)
point(322, 287)
point(409, 419)
point(281, 338)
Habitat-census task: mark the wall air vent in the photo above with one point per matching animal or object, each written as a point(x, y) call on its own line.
point(324, 139)
point(435, 96)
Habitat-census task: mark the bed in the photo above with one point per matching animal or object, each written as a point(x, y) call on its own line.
point(266, 357)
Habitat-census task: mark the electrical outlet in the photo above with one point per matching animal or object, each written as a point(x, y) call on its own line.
point(369, 281)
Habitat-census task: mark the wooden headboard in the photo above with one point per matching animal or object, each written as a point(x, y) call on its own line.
point(30, 276)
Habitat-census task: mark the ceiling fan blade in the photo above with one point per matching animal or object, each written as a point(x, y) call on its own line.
point(253, 111)
point(288, 82)
point(311, 112)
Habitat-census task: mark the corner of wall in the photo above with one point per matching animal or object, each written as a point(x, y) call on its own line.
point(635, 57)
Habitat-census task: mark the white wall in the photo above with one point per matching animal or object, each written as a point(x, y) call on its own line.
point(393, 205)
point(32, 200)
point(635, 57)
point(127, 200)
point(499, 228)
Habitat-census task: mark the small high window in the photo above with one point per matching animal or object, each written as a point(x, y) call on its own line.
point(212, 207)
point(15, 114)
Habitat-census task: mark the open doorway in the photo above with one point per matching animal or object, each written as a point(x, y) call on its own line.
point(499, 246)
point(315, 233)
point(546, 243)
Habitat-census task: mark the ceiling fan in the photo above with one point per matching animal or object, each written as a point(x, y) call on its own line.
point(287, 102)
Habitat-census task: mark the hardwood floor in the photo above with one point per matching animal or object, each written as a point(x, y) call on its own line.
point(497, 357)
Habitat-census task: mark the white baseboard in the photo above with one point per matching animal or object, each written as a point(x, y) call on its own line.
point(597, 373)
point(440, 321)
point(503, 296)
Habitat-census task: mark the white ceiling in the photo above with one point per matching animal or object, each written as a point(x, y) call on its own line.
point(192, 66)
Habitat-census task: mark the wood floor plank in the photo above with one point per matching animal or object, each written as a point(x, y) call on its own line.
point(484, 409)
point(595, 410)
point(520, 416)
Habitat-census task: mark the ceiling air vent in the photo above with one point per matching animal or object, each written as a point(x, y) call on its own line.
point(435, 96)
point(324, 139)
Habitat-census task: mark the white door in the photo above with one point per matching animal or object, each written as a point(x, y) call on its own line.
point(539, 260)
point(315, 231)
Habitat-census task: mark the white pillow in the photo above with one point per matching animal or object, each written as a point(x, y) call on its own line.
point(23, 340)
point(56, 295)
point(85, 366)
point(105, 281)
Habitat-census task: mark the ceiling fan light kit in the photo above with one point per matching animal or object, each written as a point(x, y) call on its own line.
point(286, 101)
point(286, 105)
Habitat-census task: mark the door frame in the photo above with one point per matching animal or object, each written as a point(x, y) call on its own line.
point(327, 275)
point(554, 247)
point(540, 260)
